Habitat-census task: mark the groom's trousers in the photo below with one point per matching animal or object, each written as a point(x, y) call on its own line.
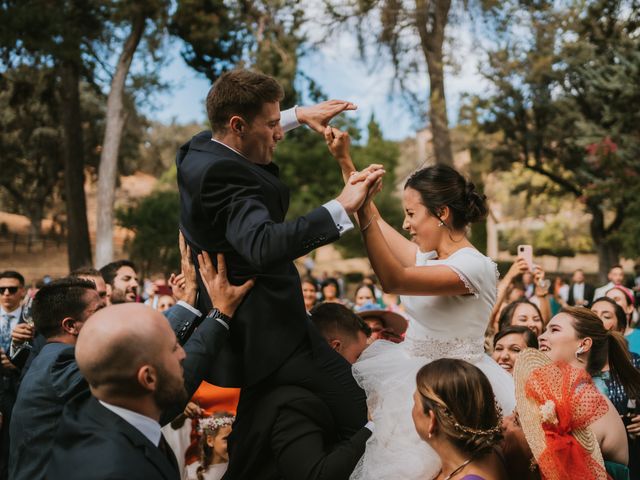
point(315, 366)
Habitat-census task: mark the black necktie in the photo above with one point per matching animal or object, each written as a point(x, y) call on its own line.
point(164, 447)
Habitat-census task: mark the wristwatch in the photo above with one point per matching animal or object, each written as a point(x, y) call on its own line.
point(216, 314)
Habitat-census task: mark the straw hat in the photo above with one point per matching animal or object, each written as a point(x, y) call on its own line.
point(530, 412)
point(394, 321)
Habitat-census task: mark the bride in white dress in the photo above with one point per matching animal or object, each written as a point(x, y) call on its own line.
point(448, 288)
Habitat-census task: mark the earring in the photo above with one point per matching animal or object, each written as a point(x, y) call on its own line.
point(579, 351)
point(440, 224)
point(429, 436)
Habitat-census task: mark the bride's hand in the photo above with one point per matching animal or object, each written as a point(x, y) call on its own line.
point(373, 191)
point(338, 143)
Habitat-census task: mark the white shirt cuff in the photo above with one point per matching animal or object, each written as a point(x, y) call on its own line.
point(371, 426)
point(339, 216)
point(288, 119)
point(224, 324)
point(191, 308)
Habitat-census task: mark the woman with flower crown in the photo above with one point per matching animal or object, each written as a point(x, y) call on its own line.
point(448, 288)
point(214, 457)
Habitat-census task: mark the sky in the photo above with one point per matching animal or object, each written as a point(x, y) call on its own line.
point(335, 65)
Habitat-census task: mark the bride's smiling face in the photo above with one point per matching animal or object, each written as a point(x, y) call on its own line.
point(419, 222)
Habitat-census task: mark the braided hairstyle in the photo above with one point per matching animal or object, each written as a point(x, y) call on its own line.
point(462, 400)
point(440, 186)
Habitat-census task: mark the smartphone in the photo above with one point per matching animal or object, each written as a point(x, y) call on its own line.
point(526, 252)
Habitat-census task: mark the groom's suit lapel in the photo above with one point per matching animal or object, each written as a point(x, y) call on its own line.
point(268, 173)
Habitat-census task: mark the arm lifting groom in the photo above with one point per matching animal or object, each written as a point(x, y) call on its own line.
point(233, 202)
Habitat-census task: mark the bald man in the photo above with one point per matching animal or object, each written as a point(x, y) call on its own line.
point(134, 371)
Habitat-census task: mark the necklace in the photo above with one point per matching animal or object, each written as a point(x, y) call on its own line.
point(458, 469)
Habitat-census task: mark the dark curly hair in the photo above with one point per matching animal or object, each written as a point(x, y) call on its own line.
point(441, 186)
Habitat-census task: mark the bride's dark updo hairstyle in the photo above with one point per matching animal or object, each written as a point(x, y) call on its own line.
point(441, 186)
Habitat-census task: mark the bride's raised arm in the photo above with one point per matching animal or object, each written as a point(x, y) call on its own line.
point(403, 250)
point(401, 279)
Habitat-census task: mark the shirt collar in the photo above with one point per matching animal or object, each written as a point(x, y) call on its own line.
point(270, 167)
point(145, 425)
point(230, 148)
point(16, 313)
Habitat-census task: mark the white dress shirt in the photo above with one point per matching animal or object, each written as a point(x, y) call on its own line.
point(578, 291)
point(602, 291)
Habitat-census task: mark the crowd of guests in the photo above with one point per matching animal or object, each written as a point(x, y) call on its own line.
point(44, 368)
point(523, 319)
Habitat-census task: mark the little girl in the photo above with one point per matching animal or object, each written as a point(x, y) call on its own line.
point(214, 457)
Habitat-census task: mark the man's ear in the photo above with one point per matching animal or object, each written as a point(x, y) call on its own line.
point(237, 125)
point(335, 344)
point(69, 326)
point(148, 378)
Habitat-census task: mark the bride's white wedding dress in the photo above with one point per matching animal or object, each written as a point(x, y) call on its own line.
point(439, 327)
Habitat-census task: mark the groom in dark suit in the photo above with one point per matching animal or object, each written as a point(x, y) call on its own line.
point(233, 202)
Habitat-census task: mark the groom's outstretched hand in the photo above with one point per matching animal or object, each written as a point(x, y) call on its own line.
point(318, 116)
point(224, 296)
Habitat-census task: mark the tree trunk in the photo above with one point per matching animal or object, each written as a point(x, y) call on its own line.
point(108, 170)
point(431, 20)
point(78, 243)
point(36, 213)
point(608, 250)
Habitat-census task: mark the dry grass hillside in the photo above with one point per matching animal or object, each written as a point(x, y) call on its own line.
point(48, 257)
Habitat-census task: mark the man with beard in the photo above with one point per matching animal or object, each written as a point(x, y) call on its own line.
point(134, 371)
point(60, 309)
point(122, 281)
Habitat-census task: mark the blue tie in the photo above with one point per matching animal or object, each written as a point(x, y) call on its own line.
point(5, 332)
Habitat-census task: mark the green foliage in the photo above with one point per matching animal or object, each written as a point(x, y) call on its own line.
point(220, 36)
point(30, 141)
point(565, 86)
point(154, 221)
point(314, 177)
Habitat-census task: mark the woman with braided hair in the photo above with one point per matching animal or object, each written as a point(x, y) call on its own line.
point(464, 434)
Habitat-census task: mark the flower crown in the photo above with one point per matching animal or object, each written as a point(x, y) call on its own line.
point(210, 425)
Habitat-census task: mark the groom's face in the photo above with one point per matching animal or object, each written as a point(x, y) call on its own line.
point(262, 134)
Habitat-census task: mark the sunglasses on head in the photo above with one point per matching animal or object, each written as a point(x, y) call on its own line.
point(11, 290)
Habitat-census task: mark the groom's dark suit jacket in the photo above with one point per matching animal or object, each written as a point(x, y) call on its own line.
point(232, 206)
point(291, 435)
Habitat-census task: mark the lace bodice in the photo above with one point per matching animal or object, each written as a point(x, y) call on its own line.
point(453, 324)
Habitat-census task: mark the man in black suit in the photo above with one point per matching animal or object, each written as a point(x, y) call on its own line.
point(233, 202)
point(290, 434)
point(580, 293)
point(132, 361)
point(12, 292)
point(60, 310)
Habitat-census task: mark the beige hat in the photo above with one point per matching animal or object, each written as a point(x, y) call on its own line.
point(564, 399)
point(394, 321)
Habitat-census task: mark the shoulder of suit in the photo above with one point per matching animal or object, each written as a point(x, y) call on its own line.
point(294, 398)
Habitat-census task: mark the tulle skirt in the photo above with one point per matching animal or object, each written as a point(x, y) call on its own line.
point(387, 372)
